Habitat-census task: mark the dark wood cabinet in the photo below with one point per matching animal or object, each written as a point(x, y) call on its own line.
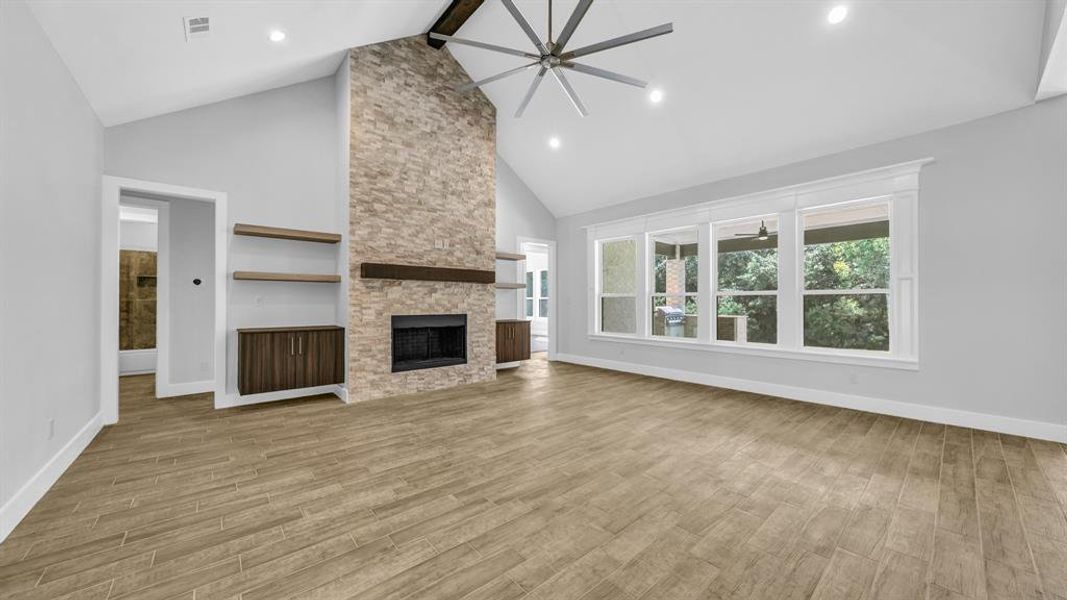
point(512, 340)
point(274, 358)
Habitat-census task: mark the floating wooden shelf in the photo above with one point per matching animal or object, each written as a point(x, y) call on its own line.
point(322, 237)
point(510, 286)
point(509, 256)
point(296, 277)
point(424, 273)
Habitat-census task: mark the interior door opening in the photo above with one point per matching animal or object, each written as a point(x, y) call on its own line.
point(537, 296)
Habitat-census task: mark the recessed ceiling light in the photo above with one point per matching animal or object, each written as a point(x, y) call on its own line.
point(554, 143)
point(655, 96)
point(277, 35)
point(837, 14)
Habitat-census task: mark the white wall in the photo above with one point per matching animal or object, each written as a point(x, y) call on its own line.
point(191, 255)
point(275, 155)
point(137, 235)
point(992, 265)
point(519, 213)
point(50, 148)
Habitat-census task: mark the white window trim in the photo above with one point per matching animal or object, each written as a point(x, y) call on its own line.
point(896, 184)
point(650, 250)
point(596, 274)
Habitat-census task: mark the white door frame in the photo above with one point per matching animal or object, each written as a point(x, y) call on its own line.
point(112, 190)
point(552, 292)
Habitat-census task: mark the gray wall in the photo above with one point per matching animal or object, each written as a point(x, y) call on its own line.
point(992, 264)
point(192, 307)
point(275, 155)
point(519, 212)
point(50, 147)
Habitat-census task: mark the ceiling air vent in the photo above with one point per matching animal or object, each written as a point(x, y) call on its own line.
point(196, 27)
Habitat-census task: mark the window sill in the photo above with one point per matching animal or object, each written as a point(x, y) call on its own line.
point(845, 358)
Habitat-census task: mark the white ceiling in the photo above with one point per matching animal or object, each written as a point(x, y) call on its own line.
point(132, 60)
point(748, 84)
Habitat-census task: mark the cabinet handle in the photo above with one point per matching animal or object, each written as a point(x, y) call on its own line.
point(301, 351)
point(291, 345)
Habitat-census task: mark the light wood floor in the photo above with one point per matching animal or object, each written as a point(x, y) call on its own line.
point(558, 482)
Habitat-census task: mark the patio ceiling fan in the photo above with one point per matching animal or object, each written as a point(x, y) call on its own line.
point(761, 235)
point(553, 55)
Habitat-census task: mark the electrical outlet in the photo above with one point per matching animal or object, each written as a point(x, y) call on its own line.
point(51, 428)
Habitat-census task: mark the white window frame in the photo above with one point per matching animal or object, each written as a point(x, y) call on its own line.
point(639, 253)
point(716, 293)
point(650, 283)
point(538, 298)
point(897, 185)
point(802, 284)
point(527, 297)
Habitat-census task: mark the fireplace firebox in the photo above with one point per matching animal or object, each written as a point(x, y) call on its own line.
point(428, 341)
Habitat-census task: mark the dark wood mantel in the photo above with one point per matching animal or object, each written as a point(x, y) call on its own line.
point(424, 273)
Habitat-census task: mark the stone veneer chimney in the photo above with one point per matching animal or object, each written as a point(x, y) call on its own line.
point(422, 159)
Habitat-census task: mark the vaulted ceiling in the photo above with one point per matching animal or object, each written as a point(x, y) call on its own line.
point(747, 85)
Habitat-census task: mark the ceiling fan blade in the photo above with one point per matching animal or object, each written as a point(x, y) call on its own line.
point(521, 20)
point(596, 72)
point(530, 92)
point(474, 84)
point(636, 36)
point(567, 89)
point(572, 24)
point(483, 45)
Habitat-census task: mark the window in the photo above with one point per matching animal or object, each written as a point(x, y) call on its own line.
point(846, 277)
point(542, 299)
point(529, 294)
point(618, 286)
point(675, 274)
point(746, 296)
point(821, 271)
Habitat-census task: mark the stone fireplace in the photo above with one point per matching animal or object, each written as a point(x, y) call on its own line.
point(422, 192)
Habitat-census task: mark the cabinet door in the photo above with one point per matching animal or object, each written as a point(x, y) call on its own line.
point(522, 340)
point(254, 363)
point(323, 357)
point(503, 343)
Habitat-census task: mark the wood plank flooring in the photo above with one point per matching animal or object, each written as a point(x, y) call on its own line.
point(554, 482)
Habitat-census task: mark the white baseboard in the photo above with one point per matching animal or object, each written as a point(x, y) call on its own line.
point(13, 511)
point(232, 400)
point(948, 416)
point(341, 391)
point(507, 365)
point(137, 362)
point(169, 390)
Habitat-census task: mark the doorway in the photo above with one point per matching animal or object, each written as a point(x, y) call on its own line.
point(537, 300)
point(179, 293)
point(138, 282)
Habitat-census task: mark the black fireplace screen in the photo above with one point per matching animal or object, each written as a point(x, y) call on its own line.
point(427, 341)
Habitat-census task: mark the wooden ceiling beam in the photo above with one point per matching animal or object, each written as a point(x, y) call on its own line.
point(452, 19)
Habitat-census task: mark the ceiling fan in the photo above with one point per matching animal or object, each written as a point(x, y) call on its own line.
point(762, 235)
point(553, 55)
